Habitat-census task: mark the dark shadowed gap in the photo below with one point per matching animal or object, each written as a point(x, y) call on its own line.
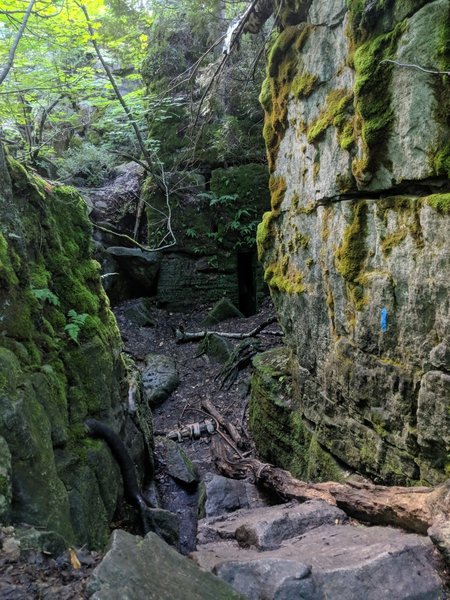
point(246, 282)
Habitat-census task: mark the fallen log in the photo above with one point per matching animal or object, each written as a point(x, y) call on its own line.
point(194, 336)
point(414, 509)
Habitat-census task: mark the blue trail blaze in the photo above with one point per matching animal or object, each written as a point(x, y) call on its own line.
point(383, 319)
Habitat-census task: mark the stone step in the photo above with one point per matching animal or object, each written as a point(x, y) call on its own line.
point(342, 562)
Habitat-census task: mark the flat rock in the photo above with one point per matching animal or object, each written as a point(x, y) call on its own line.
point(344, 562)
point(267, 527)
point(136, 568)
point(159, 378)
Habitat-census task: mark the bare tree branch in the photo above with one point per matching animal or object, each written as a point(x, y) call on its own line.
point(413, 66)
point(9, 63)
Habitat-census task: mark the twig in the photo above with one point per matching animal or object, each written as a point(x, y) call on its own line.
point(413, 66)
point(234, 434)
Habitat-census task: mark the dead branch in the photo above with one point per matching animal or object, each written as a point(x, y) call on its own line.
point(239, 359)
point(233, 432)
point(187, 336)
point(414, 509)
point(12, 51)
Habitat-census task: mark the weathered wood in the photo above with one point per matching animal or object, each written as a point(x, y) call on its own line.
point(194, 336)
point(414, 509)
point(233, 432)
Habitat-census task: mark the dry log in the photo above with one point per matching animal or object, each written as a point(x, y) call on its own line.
point(414, 509)
point(194, 336)
point(233, 432)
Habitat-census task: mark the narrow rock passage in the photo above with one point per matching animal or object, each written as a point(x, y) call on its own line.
point(197, 371)
point(283, 552)
point(149, 337)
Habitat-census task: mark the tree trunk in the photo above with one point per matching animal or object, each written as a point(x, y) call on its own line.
point(414, 509)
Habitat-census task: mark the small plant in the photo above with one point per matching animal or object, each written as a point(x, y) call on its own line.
point(45, 295)
point(76, 322)
point(191, 232)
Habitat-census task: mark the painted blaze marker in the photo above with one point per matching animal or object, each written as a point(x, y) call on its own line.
point(383, 319)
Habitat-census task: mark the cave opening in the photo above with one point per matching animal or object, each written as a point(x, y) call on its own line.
point(246, 282)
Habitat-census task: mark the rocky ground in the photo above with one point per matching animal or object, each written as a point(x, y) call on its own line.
point(35, 575)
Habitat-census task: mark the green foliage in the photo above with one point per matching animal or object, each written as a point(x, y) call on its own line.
point(55, 94)
point(440, 202)
point(89, 162)
point(76, 323)
point(191, 232)
point(45, 295)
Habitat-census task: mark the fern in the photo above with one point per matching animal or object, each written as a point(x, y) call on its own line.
point(77, 321)
point(45, 295)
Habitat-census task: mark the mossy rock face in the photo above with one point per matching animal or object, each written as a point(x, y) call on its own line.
point(5, 482)
point(276, 422)
point(357, 264)
point(211, 230)
point(50, 382)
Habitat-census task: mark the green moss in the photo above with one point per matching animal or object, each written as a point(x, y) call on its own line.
point(407, 212)
point(303, 85)
point(282, 67)
point(372, 107)
point(336, 112)
point(7, 273)
point(440, 202)
point(351, 254)
point(265, 233)
point(393, 239)
point(277, 187)
point(441, 161)
point(277, 425)
point(283, 277)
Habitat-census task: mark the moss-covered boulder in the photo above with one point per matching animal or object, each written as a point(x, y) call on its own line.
point(60, 361)
point(282, 436)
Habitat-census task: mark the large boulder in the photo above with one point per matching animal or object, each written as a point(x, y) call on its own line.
point(148, 569)
point(159, 378)
point(310, 551)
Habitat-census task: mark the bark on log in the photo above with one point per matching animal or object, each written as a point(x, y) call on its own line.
point(414, 509)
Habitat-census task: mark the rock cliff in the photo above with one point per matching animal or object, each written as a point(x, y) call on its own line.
point(355, 247)
point(60, 361)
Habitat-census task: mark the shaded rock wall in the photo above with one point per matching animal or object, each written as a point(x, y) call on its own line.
point(214, 224)
point(50, 383)
point(356, 248)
